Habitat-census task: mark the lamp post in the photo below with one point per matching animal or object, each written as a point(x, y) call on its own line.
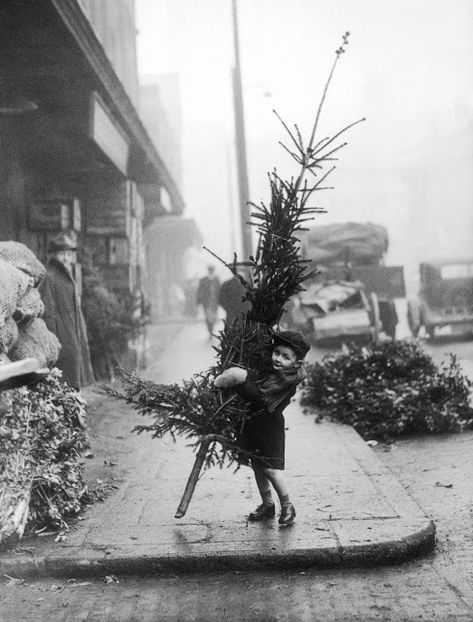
point(243, 191)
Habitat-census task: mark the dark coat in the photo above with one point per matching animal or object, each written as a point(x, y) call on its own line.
point(207, 292)
point(263, 433)
point(63, 316)
point(231, 299)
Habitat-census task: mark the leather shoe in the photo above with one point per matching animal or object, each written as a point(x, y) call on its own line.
point(262, 512)
point(288, 514)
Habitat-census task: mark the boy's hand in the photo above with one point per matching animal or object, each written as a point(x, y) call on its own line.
point(231, 377)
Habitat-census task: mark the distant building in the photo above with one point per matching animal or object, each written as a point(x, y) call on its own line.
point(160, 106)
point(114, 25)
point(169, 240)
point(171, 288)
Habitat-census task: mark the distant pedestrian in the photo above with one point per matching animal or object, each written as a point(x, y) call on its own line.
point(388, 317)
point(207, 296)
point(231, 300)
point(264, 430)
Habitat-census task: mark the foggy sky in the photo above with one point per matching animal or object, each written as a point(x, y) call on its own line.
point(408, 70)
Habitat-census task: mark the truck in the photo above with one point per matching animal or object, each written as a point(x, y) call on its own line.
point(351, 299)
point(444, 304)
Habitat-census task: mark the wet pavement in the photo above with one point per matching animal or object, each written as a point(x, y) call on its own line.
point(350, 509)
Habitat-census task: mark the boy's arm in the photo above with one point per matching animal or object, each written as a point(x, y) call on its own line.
point(251, 393)
point(237, 379)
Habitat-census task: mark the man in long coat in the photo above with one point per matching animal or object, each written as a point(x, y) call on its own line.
point(63, 314)
point(231, 297)
point(207, 296)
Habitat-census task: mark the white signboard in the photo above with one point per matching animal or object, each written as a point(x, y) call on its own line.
point(108, 135)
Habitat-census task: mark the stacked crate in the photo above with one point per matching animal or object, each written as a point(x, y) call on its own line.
point(114, 231)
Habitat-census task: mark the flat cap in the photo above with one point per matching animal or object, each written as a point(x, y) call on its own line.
point(294, 339)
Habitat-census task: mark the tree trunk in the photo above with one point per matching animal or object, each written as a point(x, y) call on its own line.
point(193, 478)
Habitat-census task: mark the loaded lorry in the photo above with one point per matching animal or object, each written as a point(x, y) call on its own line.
point(351, 299)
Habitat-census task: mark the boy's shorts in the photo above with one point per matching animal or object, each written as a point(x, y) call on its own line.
point(264, 434)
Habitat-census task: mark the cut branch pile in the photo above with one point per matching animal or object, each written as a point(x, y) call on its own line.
point(41, 472)
point(390, 389)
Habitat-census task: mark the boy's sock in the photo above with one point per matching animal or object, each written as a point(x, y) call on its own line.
point(285, 501)
point(267, 497)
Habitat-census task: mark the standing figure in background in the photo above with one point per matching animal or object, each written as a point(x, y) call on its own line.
point(63, 313)
point(207, 296)
point(231, 298)
point(388, 317)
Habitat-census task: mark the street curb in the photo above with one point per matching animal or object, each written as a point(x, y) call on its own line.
point(96, 564)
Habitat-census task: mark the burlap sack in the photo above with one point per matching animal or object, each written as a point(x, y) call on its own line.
point(30, 306)
point(24, 259)
point(8, 335)
point(13, 286)
point(37, 341)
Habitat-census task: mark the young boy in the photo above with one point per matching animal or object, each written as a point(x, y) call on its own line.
point(263, 432)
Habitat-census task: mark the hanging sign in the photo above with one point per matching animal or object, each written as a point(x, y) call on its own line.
point(108, 135)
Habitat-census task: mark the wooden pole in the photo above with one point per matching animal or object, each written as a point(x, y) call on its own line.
point(240, 143)
point(196, 469)
point(193, 478)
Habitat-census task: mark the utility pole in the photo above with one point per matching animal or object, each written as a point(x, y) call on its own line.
point(243, 191)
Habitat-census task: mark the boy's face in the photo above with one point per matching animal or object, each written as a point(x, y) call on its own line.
point(284, 357)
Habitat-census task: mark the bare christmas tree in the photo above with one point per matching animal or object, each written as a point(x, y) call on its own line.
point(195, 409)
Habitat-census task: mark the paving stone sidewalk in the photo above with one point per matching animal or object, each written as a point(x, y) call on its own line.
point(350, 509)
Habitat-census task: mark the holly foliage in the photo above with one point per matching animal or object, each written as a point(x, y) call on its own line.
point(390, 389)
point(41, 442)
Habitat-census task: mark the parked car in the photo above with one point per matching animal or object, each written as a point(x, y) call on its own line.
point(445, 300)
point(353, 296)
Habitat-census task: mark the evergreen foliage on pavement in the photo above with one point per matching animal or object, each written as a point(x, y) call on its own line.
point(390, 389)
point(112, 321)
point(41, 469)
